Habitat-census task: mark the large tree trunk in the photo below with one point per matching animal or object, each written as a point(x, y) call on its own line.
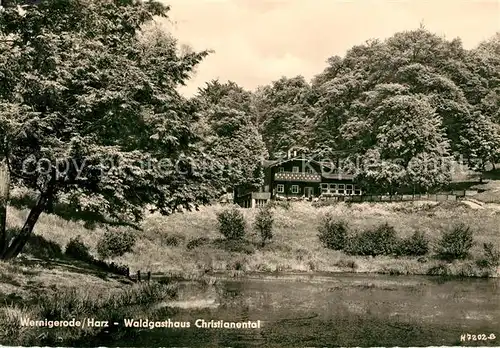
point(22, 238)
point(4, 197)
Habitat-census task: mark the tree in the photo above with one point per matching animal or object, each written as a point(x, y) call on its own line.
point(285, 113)
point(89, 110)
point(444, 89)
point(227, 125)
point(481, 141)
point(4, 198)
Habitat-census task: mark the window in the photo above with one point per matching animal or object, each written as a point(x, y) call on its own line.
point(281, 169)
point(333, 188)
point(324, 188)
point(295, 169)
point(295, 188)
point(341, 189)
point(280, 188)
point(348, 189)
point(357, 190)
point(310, 171)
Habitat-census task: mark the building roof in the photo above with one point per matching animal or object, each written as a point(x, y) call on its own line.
point(326, 175)
point(272, 163)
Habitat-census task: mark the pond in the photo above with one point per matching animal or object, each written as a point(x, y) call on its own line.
point(330, 310)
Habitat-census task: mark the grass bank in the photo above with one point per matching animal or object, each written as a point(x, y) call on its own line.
point(189, 244)
point(34, 290)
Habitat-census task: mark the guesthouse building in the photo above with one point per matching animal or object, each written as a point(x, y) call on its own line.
point(297, 177)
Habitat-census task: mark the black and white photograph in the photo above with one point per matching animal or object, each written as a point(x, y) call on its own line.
point(249, 173)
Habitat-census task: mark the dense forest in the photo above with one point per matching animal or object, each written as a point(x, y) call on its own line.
point(401, 110)
point(90, 112)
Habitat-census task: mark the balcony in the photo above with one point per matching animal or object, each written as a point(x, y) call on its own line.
point(289, 176)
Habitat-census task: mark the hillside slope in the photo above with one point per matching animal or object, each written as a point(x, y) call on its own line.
point(189, 244)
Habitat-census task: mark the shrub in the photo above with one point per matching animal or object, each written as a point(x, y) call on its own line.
point(455, 244)
point(115, 243)
point(416, 245)
point(264, 223)
point(172, 240)
point(379, 241)
point(78, 250)
point(491, 256)
point(196, 242)
point(231, 223)
point(332, 234)
point(439, 270)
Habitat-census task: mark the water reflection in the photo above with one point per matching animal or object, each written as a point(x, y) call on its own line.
point(346, 310)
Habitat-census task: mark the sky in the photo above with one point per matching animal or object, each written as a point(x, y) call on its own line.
point(258, 41)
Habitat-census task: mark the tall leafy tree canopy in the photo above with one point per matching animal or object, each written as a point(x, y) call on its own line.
point(412, 96)
point(89, 109)
point(227, 123)
point(286, 110)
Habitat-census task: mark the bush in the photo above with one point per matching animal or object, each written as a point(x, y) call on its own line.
point(197, 242)
point(231, 224)
point(439, 270)
point(455, 244)
point(332, 234)
point(264, 223)
point(78, 250)
point(416, 245)
point(379, 241)
point(491, 256)
point(172, 240)
point(115, 243)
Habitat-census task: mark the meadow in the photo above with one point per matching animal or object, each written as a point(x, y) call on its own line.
point(44, 283)
point(188, 244)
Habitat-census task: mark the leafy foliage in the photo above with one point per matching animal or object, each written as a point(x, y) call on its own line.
point(381, 240)
point(439, 270)
point(264, 223)
point(78, 250)
point(415, 245)
point(232, 224)
point(115, 243)
point(285, 113)
point(491, 256)
point(227, 125)
point(332, 233)
point(196, 242)
point(456, 243)
point(409, 104)
point(89, 109)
